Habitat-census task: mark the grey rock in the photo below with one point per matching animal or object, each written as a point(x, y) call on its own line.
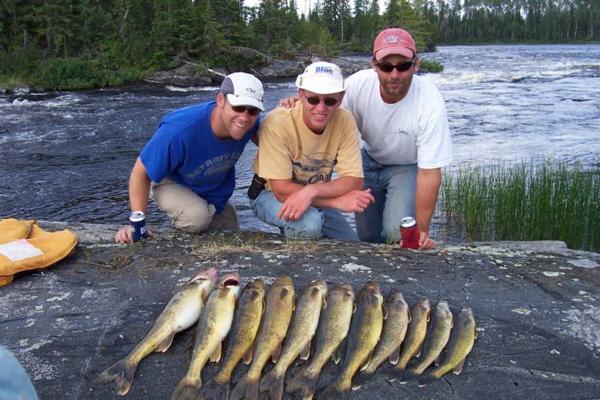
point(538, 332)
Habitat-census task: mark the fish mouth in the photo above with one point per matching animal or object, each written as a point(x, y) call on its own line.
point(210, 274)
point(231, 279)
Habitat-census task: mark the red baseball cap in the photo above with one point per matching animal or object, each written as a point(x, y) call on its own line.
point(394, 41)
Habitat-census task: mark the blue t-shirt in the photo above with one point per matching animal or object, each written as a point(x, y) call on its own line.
point(185, 149)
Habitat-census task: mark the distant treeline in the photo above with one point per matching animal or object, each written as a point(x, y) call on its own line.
point(114, 41)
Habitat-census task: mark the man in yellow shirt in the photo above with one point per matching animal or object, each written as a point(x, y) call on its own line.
point(299, 150)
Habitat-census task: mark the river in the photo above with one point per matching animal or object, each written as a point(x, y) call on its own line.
point(67, 155)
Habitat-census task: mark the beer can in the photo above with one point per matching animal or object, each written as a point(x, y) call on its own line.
point(409, 231)
point(137, 219)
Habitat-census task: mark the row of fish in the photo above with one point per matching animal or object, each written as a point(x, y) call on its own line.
point(272, 325)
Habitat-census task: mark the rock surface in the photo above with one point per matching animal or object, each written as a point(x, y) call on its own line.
point(537, 306)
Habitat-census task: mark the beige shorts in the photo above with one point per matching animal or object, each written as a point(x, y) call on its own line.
point(190, 212)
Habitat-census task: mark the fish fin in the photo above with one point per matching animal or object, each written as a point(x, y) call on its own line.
point(247, 357)
point(283, 294)
point(122, 373)
point(165, 343)
point(336, 357)
point(276, 353)
point(458, 369)
point(395, 356)
point(305, 353)
point(305, 382)
point(187, 389)
point(272, 383)
point(365, 365)
point(409, 315)
point(385, 311)
point(216, 354)
point(324, 303)
point(246, 388)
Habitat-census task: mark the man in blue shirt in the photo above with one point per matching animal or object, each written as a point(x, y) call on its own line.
point(190, 161)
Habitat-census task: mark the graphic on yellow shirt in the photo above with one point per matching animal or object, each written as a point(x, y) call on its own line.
point(313, 168)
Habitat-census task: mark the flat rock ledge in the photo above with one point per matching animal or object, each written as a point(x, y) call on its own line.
point(537, 306)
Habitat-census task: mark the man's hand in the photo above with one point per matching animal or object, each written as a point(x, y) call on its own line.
point(354, 201)
point(288, 102)
point(425, 242)
point(296, 204)
point(125, 235)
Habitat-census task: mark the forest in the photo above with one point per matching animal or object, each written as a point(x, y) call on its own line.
point(110, 42)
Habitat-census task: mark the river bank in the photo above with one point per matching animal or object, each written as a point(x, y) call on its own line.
point(78, 75)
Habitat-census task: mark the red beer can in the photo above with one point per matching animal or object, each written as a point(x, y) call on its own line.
point(409, 232)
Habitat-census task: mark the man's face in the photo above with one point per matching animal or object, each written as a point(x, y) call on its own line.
point(394, 84)
point(234, 121)
point(319, 109)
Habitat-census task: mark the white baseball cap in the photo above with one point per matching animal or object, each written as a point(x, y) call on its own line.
point(243, 89)
point(321, 78)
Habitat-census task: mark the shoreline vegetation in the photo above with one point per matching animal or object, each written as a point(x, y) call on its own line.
point(66, 45)
point(527, 200)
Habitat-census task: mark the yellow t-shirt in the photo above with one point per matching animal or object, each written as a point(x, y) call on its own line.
point(289, 150)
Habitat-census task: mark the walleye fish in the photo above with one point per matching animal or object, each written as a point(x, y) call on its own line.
point(297, 342)
point(247, 321)
point(395, 326)
point(417, 330)
point(333, 328)
point(182, 311)
point(460, 345)
point(213, 328)
point(365, 331)
point(278, 313)
point(437, 340)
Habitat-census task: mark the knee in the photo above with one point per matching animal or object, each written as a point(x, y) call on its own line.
point(310, 227)
point(390, 234)
point(194, 219)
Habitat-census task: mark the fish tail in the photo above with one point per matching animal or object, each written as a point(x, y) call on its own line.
point(331, 392)
point(426, 379)
point(187, 389)
point(122, 373)
point(411, 373)
point(246, 388)
point(305, 381)
point(363, 377)
point(272, 383)
point(220, 392)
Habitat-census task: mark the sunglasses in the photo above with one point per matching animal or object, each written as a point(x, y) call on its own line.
point(315, 100)
point(253, 111)
point(388, 67)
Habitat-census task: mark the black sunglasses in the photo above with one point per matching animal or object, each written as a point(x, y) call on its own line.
point(315, 100)
point(388, 67)
point(253, 111)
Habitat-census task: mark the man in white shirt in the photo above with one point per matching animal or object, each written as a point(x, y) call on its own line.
point(406, 139)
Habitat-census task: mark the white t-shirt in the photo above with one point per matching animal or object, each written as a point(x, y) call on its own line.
point(414, 130)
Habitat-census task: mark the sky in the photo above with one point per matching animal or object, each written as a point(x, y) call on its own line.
point(304, 5)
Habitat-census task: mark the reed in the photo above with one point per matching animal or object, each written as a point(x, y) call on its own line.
point(547, 200)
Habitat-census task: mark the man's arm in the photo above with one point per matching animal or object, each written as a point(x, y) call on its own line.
point(344, 194)
point(428, 186)
point(139, 189)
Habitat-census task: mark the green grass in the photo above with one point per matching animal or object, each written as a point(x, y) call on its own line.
point(430, 65)
point(551, 200)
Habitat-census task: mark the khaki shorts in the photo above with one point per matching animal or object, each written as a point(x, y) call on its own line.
point(190, 212)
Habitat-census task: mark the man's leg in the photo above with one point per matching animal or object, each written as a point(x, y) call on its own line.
point(227, 219)
point(188, 211)
point(400, 181)
point(369, 222)
point(335, 226)
point(14, 381)
point(310, 226)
